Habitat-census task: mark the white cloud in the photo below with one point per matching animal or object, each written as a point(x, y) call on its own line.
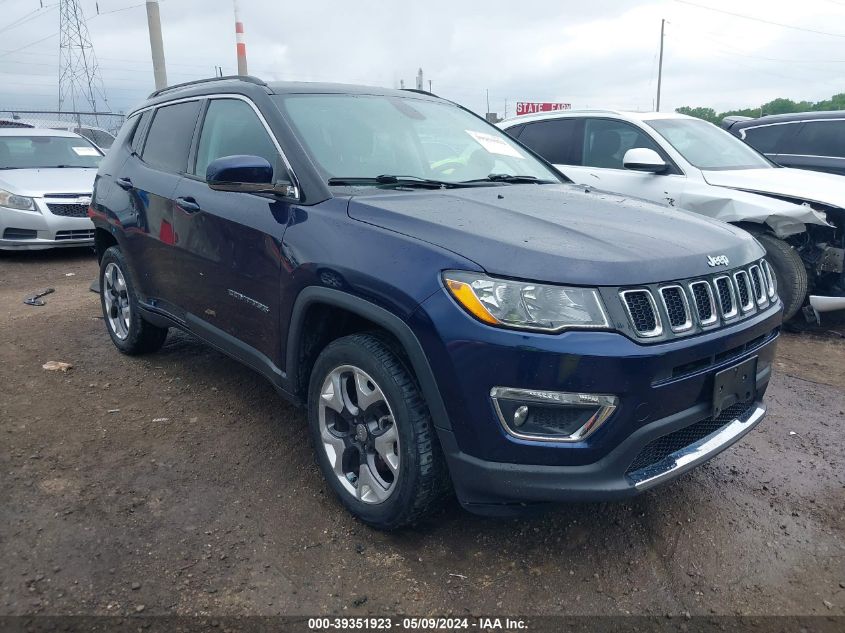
point(596, 54)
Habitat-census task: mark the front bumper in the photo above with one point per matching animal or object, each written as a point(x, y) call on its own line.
point(495, 488)
point(27, 230)
point(663, 389)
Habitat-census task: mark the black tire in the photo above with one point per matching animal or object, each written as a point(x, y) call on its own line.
point(422, 482)
point(790, 273)
point(142, 337)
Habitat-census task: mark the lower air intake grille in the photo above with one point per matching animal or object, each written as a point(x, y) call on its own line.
point(657, 450)
point(19, 234)
point(75, 235)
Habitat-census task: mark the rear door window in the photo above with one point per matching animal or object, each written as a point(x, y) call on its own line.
point(767, 138)
point(553, 139)
point(606, 141)
point(819, 138)
point(169, 139)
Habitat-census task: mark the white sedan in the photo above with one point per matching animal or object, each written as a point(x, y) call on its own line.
point(46, 179)
point(798, 216)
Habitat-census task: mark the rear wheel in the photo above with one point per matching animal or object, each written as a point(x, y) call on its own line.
point(373, 435)
point(790, 273)
point(129, 332)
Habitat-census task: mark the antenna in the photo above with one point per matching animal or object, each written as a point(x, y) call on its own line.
point(80, 84)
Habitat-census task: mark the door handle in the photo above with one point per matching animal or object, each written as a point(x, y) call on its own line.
point(187, 204)
point(124, 183)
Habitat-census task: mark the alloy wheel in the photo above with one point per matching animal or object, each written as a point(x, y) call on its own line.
point(116, 299)
point(358, 434)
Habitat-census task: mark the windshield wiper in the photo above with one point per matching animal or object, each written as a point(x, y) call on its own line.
point(387, 179)
point(511, 178)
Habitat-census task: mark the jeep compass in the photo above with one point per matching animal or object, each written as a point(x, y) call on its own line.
point(455, 314)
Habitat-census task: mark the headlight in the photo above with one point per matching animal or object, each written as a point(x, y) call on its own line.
point(526, 305)
point(21, 203)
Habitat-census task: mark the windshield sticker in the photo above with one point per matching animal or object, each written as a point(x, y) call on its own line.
point(494, 144)
point(86, 151)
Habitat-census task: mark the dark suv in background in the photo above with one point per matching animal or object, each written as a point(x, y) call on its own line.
point(806, 140)
point(453, 313)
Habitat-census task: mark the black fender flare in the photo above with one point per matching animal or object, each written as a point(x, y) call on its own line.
point(381, 317)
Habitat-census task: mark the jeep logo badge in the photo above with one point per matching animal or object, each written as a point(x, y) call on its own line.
point(717, 260)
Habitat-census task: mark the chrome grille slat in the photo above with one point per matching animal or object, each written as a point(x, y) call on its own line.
point(705, 305)
point(677, 307)
point(660, 311)
point(758, 283)
point(642, 312)
point(743, 284)
point(771, 282)
point(726, 297)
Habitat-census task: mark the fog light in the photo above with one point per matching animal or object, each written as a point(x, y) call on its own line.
point(551, 416)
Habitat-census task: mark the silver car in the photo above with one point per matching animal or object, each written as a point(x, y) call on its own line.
point(46, 178)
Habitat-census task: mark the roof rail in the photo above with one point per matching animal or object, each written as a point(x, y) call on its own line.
point(247, 78)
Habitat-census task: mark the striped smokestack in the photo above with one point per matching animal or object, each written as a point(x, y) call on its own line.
point(239, 38)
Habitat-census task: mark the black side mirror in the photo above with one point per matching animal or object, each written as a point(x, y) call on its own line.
point(245, 174)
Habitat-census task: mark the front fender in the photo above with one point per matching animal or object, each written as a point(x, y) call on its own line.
point(734, 205)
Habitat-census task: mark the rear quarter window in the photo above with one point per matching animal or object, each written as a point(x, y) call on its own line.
point(819, 138)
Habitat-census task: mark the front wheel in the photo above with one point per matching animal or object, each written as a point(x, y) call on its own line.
point(373, 435)
point(790, 273)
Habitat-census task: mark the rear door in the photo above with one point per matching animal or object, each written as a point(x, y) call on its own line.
point(150, 177)
point(229, 244)
point(818, 145)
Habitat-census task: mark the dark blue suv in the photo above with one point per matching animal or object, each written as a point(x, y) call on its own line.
point(455, 315)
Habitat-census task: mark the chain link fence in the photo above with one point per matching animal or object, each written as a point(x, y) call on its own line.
point(98, 127)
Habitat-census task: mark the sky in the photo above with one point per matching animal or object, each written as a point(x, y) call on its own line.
point(591, 54)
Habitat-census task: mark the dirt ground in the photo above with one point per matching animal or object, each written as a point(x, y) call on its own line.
point(179, 483)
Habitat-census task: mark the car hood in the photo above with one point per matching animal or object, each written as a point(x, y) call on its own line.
point(36, 182)
point(560, 233)
point(801, 184)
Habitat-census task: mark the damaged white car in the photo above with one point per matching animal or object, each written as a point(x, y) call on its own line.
point(797, 215)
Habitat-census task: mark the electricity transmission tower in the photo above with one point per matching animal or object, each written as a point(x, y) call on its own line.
point(80, 85)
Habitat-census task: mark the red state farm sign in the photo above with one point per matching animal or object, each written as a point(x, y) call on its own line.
point(531, 107)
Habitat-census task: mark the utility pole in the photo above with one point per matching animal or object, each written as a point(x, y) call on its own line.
point(79, 77)
point(156, 44)
point(660, 63)
point(239, 39)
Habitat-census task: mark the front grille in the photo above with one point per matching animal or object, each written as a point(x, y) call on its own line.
point(703, 298)
point(725, 291)
point(642, 311)
point(659, 449)
point(743, 285)
point(68, 210)
point(677, 308)
point(75, 235)
point(19, 234)
point(695, 304)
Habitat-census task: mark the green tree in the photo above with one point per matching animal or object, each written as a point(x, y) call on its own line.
point(776, 106)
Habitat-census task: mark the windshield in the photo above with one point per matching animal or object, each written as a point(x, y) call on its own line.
point(364, 137)
point(32, 152)
point(708, 147)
